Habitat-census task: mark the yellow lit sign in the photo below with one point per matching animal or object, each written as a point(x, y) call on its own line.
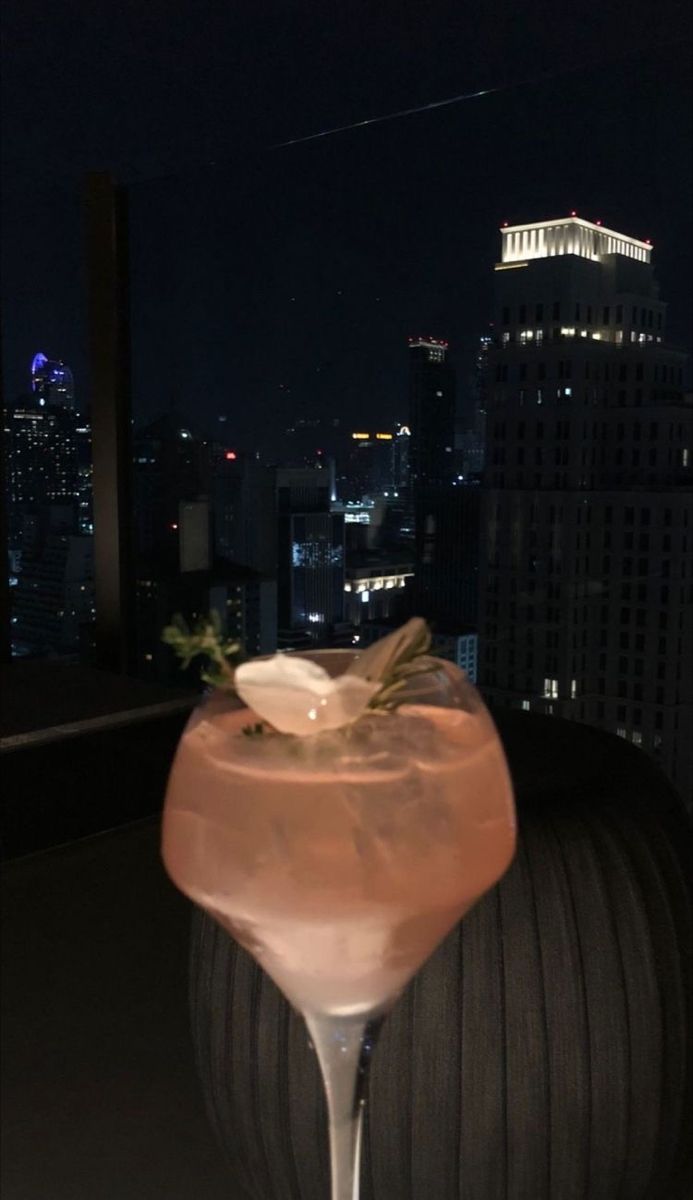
point(384, 437)
point(359, 437)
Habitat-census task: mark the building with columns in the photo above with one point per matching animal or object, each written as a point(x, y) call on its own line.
point(587, 522)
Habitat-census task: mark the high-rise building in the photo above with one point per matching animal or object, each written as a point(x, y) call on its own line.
point(52, 383)
point(587, 525)
point(367, 466)
point(53, 602)
point(170, 465)
point(431, 413)
point(310, 578)
point(48, 495)
point(244, 508)
point(446, 585)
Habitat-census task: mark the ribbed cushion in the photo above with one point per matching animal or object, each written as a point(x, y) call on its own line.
point(543, 1052)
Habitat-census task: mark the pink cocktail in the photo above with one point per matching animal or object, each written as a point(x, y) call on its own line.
point(339, 861)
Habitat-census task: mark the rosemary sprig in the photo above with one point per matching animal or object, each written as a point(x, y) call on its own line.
point(206, 640)
point(391, 662)
point(395, 659)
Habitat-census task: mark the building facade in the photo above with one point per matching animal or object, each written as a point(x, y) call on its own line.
point(431, 413)
point(586, 538)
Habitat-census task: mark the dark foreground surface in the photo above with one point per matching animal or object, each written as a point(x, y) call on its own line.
point(99, 1095)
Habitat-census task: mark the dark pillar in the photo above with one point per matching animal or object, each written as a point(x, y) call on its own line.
point(109, 362)
point(5, 607)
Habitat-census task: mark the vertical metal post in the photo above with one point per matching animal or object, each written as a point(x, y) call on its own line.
point(109, 362)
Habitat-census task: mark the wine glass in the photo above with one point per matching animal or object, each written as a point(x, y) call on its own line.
point(341, 860)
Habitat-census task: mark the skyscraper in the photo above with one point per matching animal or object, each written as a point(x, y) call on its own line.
point(310, 579)
point(587, 545)
point(49, 515)
point(367, 466)
point(431, 412)
point(52, 383)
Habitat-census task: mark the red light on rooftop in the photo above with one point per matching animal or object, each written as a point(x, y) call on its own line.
point(230, 455)
point(173, 525)
point(597, 222)
point(573, 213)
point(505, 224)
point(648, 241)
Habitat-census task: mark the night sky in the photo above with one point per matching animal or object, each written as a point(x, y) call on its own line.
point(270, 284)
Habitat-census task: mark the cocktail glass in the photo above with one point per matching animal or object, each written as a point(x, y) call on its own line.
point(341, 860)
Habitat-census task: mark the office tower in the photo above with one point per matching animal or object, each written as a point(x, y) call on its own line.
point(53, 601)
point(244, 509)
point(42, 460)
point(52, 383)
point(400, 459)
point(587, 544)
point(48, 507)
point(84, 492)
point(170, 465)
point(470, 427)
point(446, 587)
point(367, 467)
point(310, 578)
point(431, 413)
point(206, 539)
point(445, 515)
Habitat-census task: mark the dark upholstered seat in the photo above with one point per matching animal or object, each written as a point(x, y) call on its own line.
point(543, 1053)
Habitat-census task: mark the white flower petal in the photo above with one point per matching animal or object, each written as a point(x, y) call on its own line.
point(297, 696)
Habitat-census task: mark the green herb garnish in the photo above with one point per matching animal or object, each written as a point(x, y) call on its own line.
point(207, 640)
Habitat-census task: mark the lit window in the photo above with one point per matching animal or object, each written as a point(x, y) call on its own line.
point(526, 705)
point(573, 689)
point(551, 689)
point(365, 597)
point(621, 732)
point(637, 737)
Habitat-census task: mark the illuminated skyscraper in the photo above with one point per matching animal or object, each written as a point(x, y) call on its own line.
point(49, 515)
point(587, 538)
point(52, 383)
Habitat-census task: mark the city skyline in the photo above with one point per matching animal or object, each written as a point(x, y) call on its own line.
point(280, 283)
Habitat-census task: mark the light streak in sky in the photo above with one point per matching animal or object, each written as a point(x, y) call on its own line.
point(409, 112)
point(404, 112)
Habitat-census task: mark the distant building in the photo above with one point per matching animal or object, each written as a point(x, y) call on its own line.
point(245, 602)
point(244, 510)
point(368, 467)
point(53, 602)
point(51, 383)
point(41, 456)
point(374, 591)
point(587, 542)
point(446, 586)
point(310, 576)
point(431, 413)
point(48, 493)
point(400, 459)
point(170, 465)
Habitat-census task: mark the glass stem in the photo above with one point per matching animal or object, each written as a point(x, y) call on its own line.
point(343, 1046)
